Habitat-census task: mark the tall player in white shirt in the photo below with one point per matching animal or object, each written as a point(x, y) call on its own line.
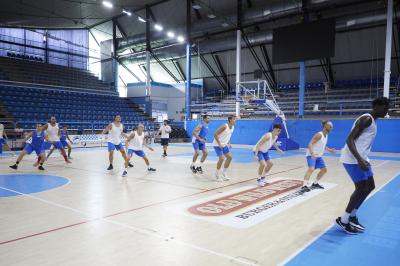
point(52, 138)
point(134, 145)
point(315, 151)
point(222, 145)
point(355, 160)
point(115, 130)
point(165, 130)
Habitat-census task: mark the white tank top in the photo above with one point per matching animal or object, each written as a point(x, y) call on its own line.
point(319, 146)
point(363, 143)
point(52, 132)
point(1, 131)
point(114, 135)
point(224, 137)
point(136, 143)
point(266, 145)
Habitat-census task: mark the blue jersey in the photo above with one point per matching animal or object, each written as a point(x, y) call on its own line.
point(204, 130)
point(64, 136)
point(37, 140)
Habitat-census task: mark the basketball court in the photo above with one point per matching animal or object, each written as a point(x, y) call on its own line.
point(98, 217)
point(283, 88)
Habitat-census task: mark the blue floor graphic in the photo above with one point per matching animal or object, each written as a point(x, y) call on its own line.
point(379, 245)
point(29, 183)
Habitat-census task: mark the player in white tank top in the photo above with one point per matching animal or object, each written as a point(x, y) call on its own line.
point(222, 143)
point(115, 131)
point(52, 138)
point(315, 151)
point(355, 160)
point(134, 144)
point(261, 154)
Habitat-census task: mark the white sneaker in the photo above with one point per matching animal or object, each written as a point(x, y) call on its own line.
point(225, 177)
point(261, 182)
point(218, 178)
point(124, 173)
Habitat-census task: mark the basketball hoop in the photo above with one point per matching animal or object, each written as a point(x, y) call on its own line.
point(246, 99)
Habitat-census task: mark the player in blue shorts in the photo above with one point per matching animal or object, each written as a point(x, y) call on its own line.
point(261, 152)
point(222, 146)
point(63, 139)
point(115, 131)
point(3, 139)
point(315, 151)
point(199, 144)
point(354, 157)
point(34, 142)
point(52, 138)
point(134, 145)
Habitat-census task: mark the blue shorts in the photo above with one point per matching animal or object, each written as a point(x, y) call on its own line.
point(220, 151)
point(47, 145)
point(263, 156)
point(64, 143)
point(138, 153)
point(317, 163)
point(2, 141)
point(29, 148)
point(356, 173)
point(198, 145)
point(112, 147)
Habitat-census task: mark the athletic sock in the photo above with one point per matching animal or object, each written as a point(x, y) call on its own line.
point(224, 171)
point(200, 164)
point(353, 213)
point(192, 164)
point(345, 218)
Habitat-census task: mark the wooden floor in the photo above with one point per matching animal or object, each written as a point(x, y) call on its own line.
point(101, 218)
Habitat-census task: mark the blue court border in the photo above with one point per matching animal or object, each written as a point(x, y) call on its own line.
point(378, 245)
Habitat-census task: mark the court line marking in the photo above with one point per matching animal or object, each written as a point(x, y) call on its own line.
point(309, 243)
point(380, 164)
point(134, 229)
point(135, 209)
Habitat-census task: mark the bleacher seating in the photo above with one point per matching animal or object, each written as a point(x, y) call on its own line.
point(348, 98)
point(41, 73)
point(78, 110)
point(24, 57)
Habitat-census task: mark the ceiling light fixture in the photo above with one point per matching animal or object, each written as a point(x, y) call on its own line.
point(180, 39)
point(211, 16)
point(170, 34)
point(107, 4)
point(126, 12)
point(141, 19)
point(196, 6)
point(158, 27)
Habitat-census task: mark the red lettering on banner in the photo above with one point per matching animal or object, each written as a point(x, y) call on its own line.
point(240, 200)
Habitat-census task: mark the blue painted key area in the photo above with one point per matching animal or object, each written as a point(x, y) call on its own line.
point(379, 245)
point(28, 183)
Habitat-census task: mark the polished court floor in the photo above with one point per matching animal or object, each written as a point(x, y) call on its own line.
point(82, 214)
